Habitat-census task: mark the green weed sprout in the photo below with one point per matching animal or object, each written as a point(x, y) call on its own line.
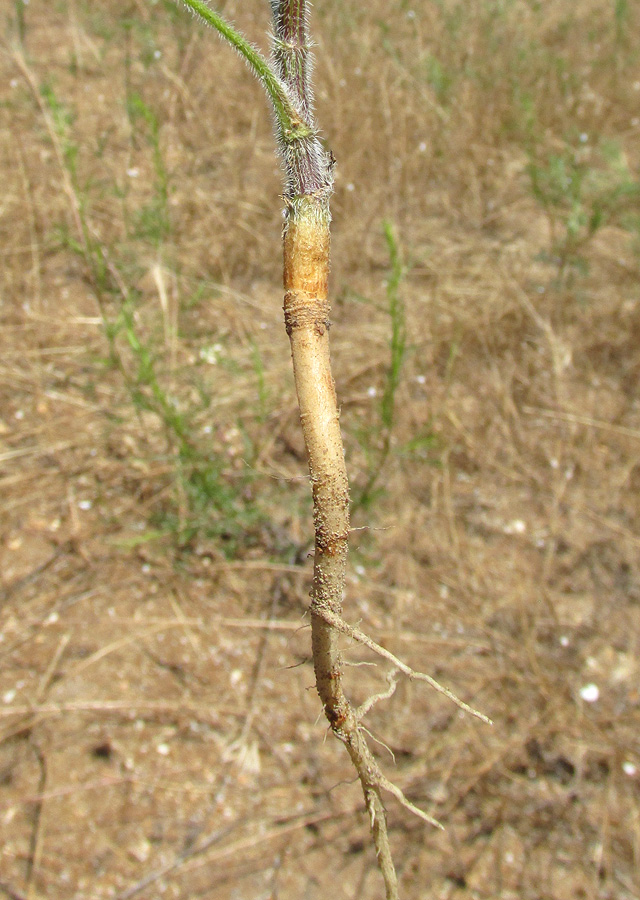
point(212, 506)
point(398, 352)
point(581, 192)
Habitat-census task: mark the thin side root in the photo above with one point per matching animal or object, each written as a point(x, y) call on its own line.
point(368, 705)
point(343, 627)
point(378, 741)
point(400, 797)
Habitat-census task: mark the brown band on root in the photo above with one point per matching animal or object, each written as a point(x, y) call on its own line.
point(332, 546)
point(304, 311)
point(329, 543)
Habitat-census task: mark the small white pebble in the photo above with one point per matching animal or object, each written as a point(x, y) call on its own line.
point(157, 54)
point(14, 82)
point(146, 568)
point(133, 172)
point(564, 640)
point(422, 146)
point(421, 379)
point(9, 697)
point(584, 138)
point(629, 768)
point(360, 570)
point(52, 618)
point(371, 392)
point(85, 505)
point(351, 187)
point(9, 815)
point(19, 414)
point(515, 527)
point(163, 749)
point(590, 693)
point(236, 677)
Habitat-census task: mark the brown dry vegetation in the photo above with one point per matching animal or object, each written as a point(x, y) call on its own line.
point(158, 731)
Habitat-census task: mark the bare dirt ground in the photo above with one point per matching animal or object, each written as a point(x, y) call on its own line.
point(159, 731)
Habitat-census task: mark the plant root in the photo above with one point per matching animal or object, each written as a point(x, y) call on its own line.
point(343, 627)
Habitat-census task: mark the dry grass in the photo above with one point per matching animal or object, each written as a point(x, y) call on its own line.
point(158, 734)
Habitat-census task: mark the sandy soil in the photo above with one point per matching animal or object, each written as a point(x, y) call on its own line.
point(159, 730)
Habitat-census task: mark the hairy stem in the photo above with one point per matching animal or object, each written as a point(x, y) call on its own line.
point(307, 164)
point(291, 51)
point(290, 121)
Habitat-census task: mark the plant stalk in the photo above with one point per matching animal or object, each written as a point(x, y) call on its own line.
point(290, 121)
point(306, 243)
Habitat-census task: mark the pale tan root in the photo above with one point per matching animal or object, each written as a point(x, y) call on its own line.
point(306, 265)
point(306, 259)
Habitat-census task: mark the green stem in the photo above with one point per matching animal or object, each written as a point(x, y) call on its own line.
point(307, 164)
point(291, 50)
point(290, 120)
